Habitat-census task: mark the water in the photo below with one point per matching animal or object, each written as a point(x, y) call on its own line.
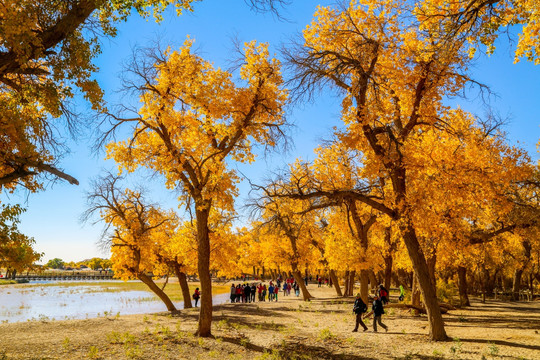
point(61, 302)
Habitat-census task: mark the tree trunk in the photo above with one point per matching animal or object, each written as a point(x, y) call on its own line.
point(352, 276)
point(205, 315)
point(388, 262)
point(335, 281)
point(415, 293)
point(531, 285)
point(346, 283)
point(462, 285)
point(182, 280)
point(431, 263)
point(364, 286)
point(516, 284)
point(160, 293)
point(436, 323)
point(298, 277)
point(372, 280)
point(526, 252)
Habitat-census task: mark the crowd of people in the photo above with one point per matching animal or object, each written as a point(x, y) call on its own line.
point(247, 293)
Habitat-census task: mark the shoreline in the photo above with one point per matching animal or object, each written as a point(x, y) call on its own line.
point(287, 329)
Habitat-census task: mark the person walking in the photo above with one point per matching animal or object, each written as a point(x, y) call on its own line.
point(271, 292)
point(377, 309)
point(238, 293)
point(196, 296)
point(253, 292)
point(247, 293)
point(359, 309)
point(401, 293)
point(382, 293)
point(233, 293)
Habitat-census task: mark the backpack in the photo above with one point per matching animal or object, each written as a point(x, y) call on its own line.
point(378, 308)
point(360, 308)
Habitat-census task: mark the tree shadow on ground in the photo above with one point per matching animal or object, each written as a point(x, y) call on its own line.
point(418, 357)
point(503, 321)
point(502, 343)
point(295, 350)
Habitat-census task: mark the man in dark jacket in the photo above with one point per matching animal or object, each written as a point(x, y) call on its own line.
point(359, 308)
point(378, 311)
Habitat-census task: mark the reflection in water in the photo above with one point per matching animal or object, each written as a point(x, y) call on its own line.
point(77, 302)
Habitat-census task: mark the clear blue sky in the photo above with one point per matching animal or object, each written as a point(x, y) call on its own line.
point(53, 215)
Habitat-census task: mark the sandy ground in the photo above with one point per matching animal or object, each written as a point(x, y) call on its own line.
point(288, 329)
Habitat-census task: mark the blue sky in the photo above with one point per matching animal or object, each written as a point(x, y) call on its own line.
point(53, 215)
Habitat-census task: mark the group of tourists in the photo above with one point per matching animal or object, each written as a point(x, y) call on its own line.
point(377, 309)
point(247, 293)
point(326, 281)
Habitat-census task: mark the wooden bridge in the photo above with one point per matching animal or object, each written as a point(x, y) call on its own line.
point(67, 275)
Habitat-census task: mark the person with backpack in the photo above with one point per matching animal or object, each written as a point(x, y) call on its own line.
point(359, 308)
point(382, 293)
point(377, 309)
point(196, 296)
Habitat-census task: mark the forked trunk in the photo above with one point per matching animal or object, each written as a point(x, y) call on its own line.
point(205, 315)
point(436, 323)
point(157, 290)
point(182, 280)
point(462, 284)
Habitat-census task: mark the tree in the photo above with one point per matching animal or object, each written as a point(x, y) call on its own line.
point(481, 22)
point(16, 252)
point(46, 56)
point(55, 263)
point(193, 119)
point(134, 224)
point(280, 220)
point(393, 74)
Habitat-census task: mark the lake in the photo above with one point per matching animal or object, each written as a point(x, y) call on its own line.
point(62, 301)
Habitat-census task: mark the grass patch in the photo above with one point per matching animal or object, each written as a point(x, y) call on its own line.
point(7, 282)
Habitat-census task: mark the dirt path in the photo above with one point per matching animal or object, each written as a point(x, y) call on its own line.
point(288, 329)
